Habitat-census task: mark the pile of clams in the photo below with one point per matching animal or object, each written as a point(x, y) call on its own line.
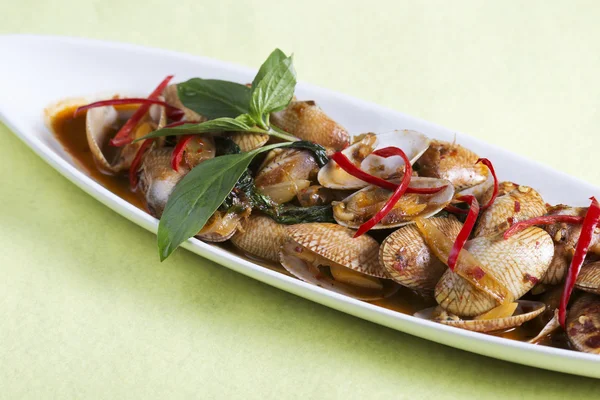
point(395, 257)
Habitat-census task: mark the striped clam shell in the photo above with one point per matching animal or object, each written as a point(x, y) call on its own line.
point(261, 237)
point(583, 323)
point(525, 311)
point(409, 261)
point(520, 203)
point(517, 262)
point(589, 278)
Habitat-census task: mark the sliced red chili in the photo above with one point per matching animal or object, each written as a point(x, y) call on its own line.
point(123, 137)
point(398, 192)
point(347, 165)
point(591, 219)
point(517, 206)
point(179, 150)
point(465, 231)
point(120, 102)
point(543, 220)
point(137, 161)
point(488, 164)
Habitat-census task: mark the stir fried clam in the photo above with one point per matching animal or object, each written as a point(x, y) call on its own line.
point(519, 312)
point(285, 173)
point(261, 237)
point(514, 203)
point(589, 278)
point(326, 255)
point(409, 261)
point(103, 122)
point(412, 143)
point(359, 207)
point(307, 121)
point(518, 263)
point(565, 238)
point(453, 162)
point(583, 324)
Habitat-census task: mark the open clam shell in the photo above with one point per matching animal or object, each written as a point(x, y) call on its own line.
point(517, 262)
point(453, 162)
point(315, 245)
point(517, 203)
point(172, 97)
point(588, 279)
point(102, 123)
point(359, 207)
point(261, 237)
point(583, 324)
point(409, 261)
point(412, 143)
point(525, 311)
point(220, 227)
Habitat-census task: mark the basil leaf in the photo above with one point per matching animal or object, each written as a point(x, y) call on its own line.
point(196, 197)
point(274, 58)
point(289, 214)
point(240, 124)
point(199, 194)
point(214, 98)
point(318, 151)
point(274, 91)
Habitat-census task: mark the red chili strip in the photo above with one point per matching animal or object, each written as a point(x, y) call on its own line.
point(453, 209)
point(123, 137)
point(488, 164)
point(119, 102)
point(179, 150)
point(465, 231)
point(543, 220)
point(137, 161)
point(398, 192)
point(592, 217)
point(347, 165)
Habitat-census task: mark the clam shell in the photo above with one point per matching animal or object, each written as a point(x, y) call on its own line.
point(517, 263)
point(158, 179)
point(306, 120)
point(435, 203)
point(583, 324)
point(172, 97)
point(407, 258)
point(412, 143)
point(220, 227)
point(565, 237)
point(589, 278)
point(248, 141)
point(101, 124)
point(480, 191)
point(308, 273)
point(518, 204)
point(261, 237)
point(526, 311)
point(453, 162)
point(337, 244)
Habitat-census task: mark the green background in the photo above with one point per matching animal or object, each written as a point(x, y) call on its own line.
point(86, 309)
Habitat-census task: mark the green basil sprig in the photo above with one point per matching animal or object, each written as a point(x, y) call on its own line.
point(200, 193)
point(232, 107)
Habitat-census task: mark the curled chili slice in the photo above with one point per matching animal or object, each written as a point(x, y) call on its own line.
point(488, 164)
point(179, 150)
point(137, 161)
point(591, 219)
point(119, 102)
point(347, 165)
point(543, 220)
point(123, 137)
point(465, 231)
point(398, 192)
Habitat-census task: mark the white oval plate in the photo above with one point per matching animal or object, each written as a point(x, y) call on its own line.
point(37, 71)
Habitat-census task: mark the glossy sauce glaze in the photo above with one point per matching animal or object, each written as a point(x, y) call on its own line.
point(70, 132)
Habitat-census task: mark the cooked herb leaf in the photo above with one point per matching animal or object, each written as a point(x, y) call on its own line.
point(214, 98)
point(318, 151)
point(275, 89)
point(289, 214)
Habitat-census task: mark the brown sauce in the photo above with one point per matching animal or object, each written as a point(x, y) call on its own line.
point(70, 132)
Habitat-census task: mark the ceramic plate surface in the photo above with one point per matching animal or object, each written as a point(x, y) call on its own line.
point(38, 71)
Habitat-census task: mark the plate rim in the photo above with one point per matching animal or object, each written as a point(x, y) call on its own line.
point(530, 355)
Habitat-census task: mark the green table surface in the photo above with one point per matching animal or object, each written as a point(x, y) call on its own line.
point(88, 311)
